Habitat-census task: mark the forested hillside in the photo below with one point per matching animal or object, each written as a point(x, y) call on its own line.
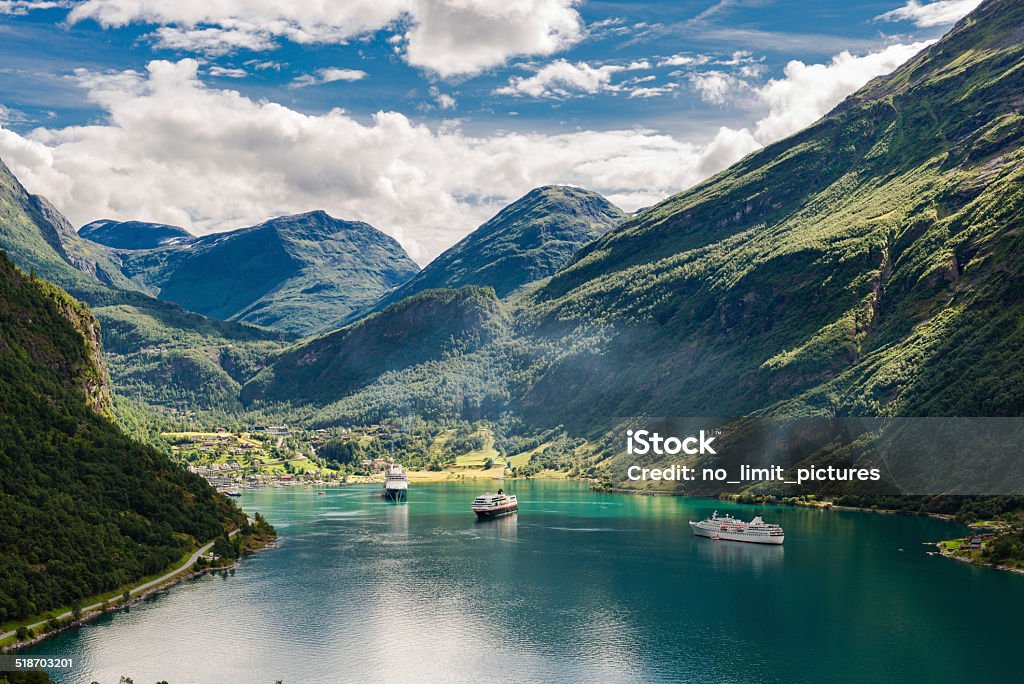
point(83, 509)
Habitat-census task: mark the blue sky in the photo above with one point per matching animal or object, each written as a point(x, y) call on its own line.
point(611, 95)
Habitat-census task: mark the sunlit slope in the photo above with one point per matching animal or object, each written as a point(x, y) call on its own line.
point(871, 263)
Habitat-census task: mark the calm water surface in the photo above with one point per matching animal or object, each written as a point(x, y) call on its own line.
point(579, 586)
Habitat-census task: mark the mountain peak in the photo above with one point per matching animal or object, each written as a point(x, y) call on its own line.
point(526, 241)
point(132, 234)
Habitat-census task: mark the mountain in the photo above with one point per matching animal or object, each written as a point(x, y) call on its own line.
point(869, 265)
point(157, 352)
point(132, 234)
point(83, 509)
point(300, 274)
point(526, 241)
point(431, 326)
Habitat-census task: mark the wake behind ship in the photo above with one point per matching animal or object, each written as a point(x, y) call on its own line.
point(757, 531)
point(396, 482)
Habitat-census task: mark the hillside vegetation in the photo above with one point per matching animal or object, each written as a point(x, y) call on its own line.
point(83, 509)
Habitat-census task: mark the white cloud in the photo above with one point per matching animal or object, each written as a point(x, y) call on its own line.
point(684, 60)
point(9, 115)
point(653, 91)
point(449, 37)
point(19, 7)
point(452, 37)
point(174, 150)
point(227, 72)
point(807, 92)
point(716, 87)
point(212, 42)
point(328, 75)
point(561, 79)
point(442, 100)
point(938, 13)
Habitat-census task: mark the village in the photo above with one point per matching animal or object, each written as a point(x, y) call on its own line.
point(275, 456)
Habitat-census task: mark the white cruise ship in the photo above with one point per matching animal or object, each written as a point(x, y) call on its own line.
point(396, 482)
point(727, 527)
point(495, 505)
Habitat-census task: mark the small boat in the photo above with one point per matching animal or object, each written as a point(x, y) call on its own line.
point(495, 505)
point(232, 491)
point(321, 493)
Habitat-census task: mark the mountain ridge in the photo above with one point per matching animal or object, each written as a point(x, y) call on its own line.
point(266, 274)
point(527, 241)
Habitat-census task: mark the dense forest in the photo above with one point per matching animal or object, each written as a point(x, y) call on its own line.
point(83, 508)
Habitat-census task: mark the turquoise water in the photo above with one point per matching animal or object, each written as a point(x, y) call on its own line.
point(578, 586)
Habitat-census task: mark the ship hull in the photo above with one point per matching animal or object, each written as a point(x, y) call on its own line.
point(736, 536)
point(496, 512)
point(395, 494)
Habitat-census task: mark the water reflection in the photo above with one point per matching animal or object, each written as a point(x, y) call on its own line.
point(733, 556)
point(505, 528)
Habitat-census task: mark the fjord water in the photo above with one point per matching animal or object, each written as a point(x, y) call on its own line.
point(578, 586)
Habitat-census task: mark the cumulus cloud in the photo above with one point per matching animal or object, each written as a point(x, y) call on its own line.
point(806, 92)
point(716, 87)
point(227, 72)
point(19, 7)
point(212, 42)
point(938, 13)
point(684, 60)
point(562, 79)
point(174, 150)
point(328, 75)
point(448, 37)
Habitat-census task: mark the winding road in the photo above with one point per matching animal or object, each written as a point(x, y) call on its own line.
point(142, 587)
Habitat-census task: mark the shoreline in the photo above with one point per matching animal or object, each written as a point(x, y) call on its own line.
point(187, 572)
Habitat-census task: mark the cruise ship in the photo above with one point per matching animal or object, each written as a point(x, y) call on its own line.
point(494, 505)
point(396, 482)
point(727, 527)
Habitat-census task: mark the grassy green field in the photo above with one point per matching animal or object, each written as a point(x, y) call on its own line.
point(479, 457)
point(519, 460)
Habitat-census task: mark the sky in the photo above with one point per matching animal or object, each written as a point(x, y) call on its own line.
point(420, 117)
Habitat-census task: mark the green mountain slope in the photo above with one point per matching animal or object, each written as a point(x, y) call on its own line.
point(430, 326)
point(869, 264)
point(132, 234)
point(299, 273)
point(526, 241)
point(157, 352)
point(83, 509)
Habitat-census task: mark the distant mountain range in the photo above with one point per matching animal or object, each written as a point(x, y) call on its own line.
point(301, 274)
